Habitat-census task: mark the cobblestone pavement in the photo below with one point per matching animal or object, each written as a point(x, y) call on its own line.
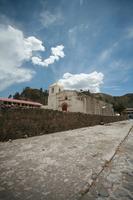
point(63, 166)
point(115, 182)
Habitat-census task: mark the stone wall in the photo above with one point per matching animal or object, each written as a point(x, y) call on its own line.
point(32, 122)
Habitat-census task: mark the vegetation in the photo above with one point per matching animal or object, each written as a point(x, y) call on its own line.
point(118, 107)
point(119, 102)
point(37, 95)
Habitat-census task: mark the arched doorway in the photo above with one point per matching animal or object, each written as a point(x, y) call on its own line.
point(64, 107)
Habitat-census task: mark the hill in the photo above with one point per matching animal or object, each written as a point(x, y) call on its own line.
point(126, 100)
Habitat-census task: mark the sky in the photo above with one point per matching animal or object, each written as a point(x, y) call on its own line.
point(80, 44)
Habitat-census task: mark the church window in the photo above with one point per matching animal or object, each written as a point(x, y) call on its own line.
point(52, 90)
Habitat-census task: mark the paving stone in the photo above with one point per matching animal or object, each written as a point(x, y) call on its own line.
point(88, 197)
point(128, 176)
point(116, 181)
point(102, 190)
point(121, 193)
point(128, 186)
point(112, 198)
point(93, 192)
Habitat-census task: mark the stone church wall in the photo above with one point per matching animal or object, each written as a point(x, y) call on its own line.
point(78, 102)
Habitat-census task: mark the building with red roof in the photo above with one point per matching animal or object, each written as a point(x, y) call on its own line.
point(13, 103)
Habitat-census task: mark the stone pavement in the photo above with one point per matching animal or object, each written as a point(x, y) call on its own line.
point(81, 164)
point(116, 180)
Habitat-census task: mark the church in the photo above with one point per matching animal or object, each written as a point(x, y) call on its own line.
point(74, 101)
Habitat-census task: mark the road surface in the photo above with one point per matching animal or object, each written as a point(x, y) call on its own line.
point(86, 163)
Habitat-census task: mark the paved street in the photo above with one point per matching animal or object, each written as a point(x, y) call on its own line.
point(116, 180)
point(87, 163)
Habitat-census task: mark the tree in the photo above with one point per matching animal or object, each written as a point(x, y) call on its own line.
point(41, 90)
point(86, 92)
point(16, 95)
point(118, 107)
point(31, 94)
point(10, 96)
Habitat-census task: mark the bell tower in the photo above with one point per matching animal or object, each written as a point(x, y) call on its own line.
point(54, 89)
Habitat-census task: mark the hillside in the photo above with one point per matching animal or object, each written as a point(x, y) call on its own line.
point(126, 100)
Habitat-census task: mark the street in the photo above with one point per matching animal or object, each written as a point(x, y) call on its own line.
point(87, 163)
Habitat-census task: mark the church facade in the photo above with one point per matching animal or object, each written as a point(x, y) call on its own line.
point(73, 101)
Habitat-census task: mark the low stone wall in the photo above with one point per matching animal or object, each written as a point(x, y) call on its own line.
point(32, 122)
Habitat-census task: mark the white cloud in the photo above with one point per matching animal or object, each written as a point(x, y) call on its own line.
point(8, 77)
point(37, 61)
point(50, 60)
point(48, 18)
point(34, 44)
point(83, 81)
point(15, 50)
point(56, 53)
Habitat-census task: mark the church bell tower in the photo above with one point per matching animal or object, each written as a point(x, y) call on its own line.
point(54, 89)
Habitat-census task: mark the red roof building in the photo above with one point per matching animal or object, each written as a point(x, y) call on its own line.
point(7, 102)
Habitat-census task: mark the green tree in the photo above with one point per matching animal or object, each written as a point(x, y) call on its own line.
point(31, 94)
point(118, 107)
point(10, 96)
point(16, 95)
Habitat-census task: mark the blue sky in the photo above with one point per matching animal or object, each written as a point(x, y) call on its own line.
point(83, 44)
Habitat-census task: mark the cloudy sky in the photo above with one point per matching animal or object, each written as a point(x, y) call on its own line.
point(82, 44)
